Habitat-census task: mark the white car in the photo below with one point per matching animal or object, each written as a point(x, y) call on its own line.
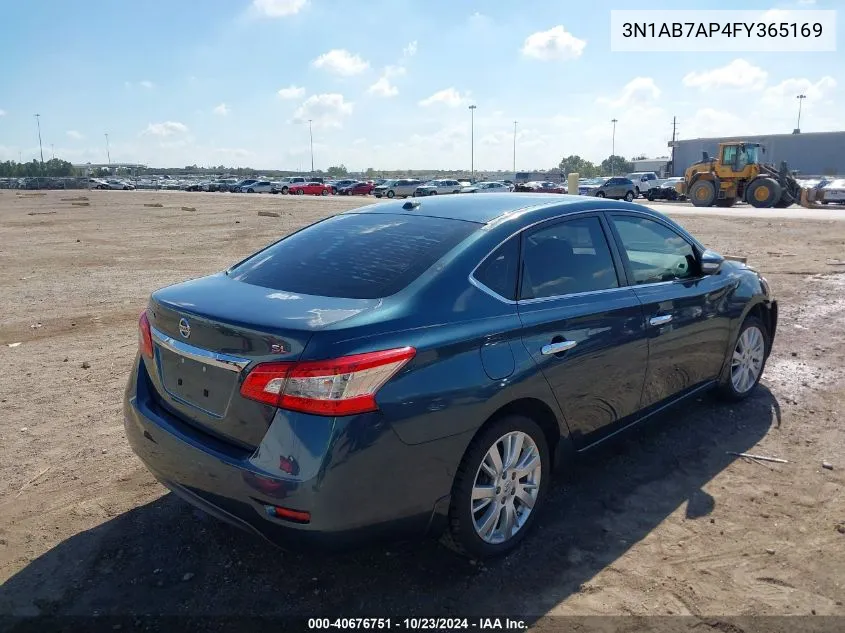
point(435, 187)
point(262, 186)
point(643, 181)
point(834, 191)
point(118, 184)
point(487, 187)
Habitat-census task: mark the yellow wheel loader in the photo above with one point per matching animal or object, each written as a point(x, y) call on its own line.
point(737, 174)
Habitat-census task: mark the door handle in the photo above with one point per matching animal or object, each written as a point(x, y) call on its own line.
point(663, 319)
point(557, 347)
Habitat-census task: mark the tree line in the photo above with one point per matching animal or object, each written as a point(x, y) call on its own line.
point(62, 168)
point(52, 168)
point(587, 169)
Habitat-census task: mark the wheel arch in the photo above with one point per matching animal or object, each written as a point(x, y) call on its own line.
point(766, 311)
point(555, 431)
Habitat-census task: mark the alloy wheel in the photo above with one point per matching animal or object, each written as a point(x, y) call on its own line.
point(748, 357)
point(505, 488)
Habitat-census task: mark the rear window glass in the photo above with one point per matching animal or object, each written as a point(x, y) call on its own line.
point(355, 256)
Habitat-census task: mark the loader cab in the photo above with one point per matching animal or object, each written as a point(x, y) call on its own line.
point(739, 159)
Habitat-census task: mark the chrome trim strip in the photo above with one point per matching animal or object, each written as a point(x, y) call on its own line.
point(488, 291)
point(586, 293)
point(215, 359)
point(660, 320)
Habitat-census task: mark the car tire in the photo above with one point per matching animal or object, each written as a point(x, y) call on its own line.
point(391, 194)
point(636, 192)
point(600, 194)
point(324, 192)
point(433, 193)
point(475, 473)
point(743, 374)
point(629, 197)
point(300, 192)
point(650, 197)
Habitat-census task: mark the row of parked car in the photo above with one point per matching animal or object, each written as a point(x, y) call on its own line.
point(630, 187)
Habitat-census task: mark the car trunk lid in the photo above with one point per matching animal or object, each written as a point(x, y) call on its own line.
point(208, 332)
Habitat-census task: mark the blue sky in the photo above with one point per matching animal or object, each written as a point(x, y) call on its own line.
point(386, 82)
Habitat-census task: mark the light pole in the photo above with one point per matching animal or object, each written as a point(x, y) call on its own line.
point(108, 150)
point(311, 136)
point(800, 101)
point(514, 149)
point(40, 148)
point(613, 149)
point(472, 142)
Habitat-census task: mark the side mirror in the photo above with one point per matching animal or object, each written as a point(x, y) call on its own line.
point(711, 262)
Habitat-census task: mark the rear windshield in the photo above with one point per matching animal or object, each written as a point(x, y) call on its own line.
point(355, 256)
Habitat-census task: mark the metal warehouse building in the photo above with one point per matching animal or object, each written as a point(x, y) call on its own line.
point(811, 154)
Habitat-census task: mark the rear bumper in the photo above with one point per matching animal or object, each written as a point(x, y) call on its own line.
point(363, 485)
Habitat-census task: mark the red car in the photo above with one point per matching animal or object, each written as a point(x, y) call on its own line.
point(311, 188)
point(358, 189)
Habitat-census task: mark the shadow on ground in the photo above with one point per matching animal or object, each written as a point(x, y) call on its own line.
point(164, 558)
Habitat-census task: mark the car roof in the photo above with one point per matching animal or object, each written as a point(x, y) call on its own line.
point(498, 206)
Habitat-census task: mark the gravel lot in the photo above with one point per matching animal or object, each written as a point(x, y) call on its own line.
point(662, 522)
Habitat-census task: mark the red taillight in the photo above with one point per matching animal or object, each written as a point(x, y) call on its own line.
point(145, 337)
point(266, 382)
point(342, 386)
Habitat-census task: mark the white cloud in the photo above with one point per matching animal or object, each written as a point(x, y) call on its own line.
point(325, 110)
point(222, 109)
point(447, 96)
point(785, 92)
point(292, 92)
point(279, 8)
point(341, 62)
point(394, 71)
point(410, 50)
point(2, 112)
point(146, 83)
point(75, 135)
point(232, 152)
point(383, 88)
point(737, 74)
point(555, 44)
point(167, 128)
point(709, 122)
point(638, 91)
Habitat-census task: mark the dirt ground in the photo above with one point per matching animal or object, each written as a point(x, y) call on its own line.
point(664, 521)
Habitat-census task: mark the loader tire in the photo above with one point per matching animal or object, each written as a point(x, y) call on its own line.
point(763, 193)
point(785, 201)
point(702, 193)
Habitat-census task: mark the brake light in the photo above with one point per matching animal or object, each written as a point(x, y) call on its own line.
point(145, 337)
point(341, 386)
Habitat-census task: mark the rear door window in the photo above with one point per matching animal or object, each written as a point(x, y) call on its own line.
point(567, 258)
point(355, 256)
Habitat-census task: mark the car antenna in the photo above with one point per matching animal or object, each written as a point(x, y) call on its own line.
point(411, 204)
